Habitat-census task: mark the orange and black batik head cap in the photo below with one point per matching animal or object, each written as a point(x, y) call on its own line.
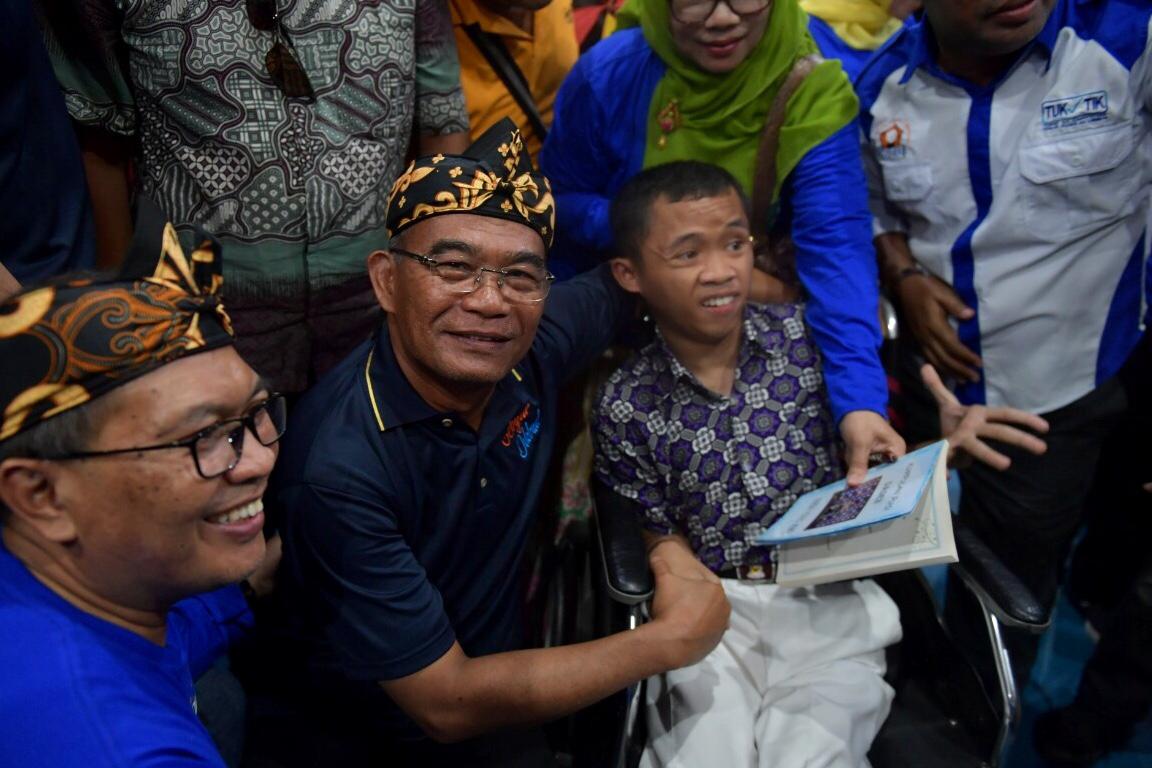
point(70, 341)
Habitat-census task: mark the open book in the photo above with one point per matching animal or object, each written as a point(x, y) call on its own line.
point(898, 518)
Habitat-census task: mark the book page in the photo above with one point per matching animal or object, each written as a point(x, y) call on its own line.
point(921, 538)
point(891, 490)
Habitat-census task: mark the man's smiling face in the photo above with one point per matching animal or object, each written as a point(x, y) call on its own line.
point(453, 341)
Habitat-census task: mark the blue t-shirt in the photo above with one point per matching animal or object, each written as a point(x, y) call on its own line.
point(403, 529)
point(80, 692)
point(46, 226)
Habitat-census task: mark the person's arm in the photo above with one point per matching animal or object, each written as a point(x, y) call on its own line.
point(582, 317)
point(8, 284)
point(106, 160)
point(832, 232)
point(926, 304)
point(99, 97)
point(629, 475)
point(677, 552)
point(596, 142)
point(393, 628)
point(441, 118)
point(447, 144)
point(1143, 86)
point(575, 161)
point(209, 623)
point(967, 427)
point(458, 697)
point(768, 289)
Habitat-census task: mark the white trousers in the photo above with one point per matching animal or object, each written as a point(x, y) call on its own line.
point(796, 682)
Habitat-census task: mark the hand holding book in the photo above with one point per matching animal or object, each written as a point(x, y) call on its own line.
point(898, 518)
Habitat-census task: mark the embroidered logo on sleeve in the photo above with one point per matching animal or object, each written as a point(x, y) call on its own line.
point(1074, 110)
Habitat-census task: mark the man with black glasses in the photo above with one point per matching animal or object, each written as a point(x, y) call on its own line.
point(135, 447)
point(413, 476)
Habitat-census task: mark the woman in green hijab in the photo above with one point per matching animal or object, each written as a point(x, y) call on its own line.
point(696, 80)
point(713, 99)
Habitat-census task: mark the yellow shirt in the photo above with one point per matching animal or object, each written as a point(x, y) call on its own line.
point(544, 56)
point(863, 24)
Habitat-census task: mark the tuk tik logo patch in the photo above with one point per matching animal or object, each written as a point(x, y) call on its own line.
point(1074, 110)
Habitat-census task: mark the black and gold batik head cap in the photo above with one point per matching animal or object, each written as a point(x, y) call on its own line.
point(70, 341)
point(494, 177)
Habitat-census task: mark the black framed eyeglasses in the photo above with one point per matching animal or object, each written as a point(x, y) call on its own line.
point(698, 11)
point(281, 61)
point(524, 283)
point(216, 449)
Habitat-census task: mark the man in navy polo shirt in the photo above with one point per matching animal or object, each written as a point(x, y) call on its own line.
point(413, 481)
point(1006, 145)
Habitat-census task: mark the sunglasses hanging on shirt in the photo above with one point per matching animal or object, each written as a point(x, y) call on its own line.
point(283, 65)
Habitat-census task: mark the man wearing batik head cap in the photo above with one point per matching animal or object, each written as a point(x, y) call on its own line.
point(412, 476)
point(135, 446)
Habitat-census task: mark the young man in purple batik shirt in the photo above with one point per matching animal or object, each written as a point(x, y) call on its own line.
point(715, 429)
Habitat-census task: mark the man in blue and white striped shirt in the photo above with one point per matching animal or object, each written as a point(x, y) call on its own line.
point(1007, 146)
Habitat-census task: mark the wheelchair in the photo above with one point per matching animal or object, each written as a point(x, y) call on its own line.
point(957, 703)
point(955, 706)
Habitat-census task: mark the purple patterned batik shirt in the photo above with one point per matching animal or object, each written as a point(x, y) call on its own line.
point(719, 469)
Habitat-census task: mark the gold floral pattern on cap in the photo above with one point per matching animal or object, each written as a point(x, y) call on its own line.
point(495, 178)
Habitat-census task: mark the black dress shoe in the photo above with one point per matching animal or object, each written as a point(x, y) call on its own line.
point(1076, 736)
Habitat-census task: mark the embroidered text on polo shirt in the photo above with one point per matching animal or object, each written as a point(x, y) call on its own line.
point(521, 431)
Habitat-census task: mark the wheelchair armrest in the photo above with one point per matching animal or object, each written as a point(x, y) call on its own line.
point(622, 547)
point(889, 324)
point(1009, 599)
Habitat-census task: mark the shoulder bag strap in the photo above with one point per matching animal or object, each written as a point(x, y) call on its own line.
point(764, 180)
point(494, 50)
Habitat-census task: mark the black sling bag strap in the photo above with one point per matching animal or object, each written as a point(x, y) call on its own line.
point(505, 66)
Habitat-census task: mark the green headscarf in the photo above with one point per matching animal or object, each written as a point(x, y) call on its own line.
point(722, 116)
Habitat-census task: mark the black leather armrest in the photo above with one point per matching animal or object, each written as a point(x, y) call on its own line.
point(622, 547)
point(1006, 595)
